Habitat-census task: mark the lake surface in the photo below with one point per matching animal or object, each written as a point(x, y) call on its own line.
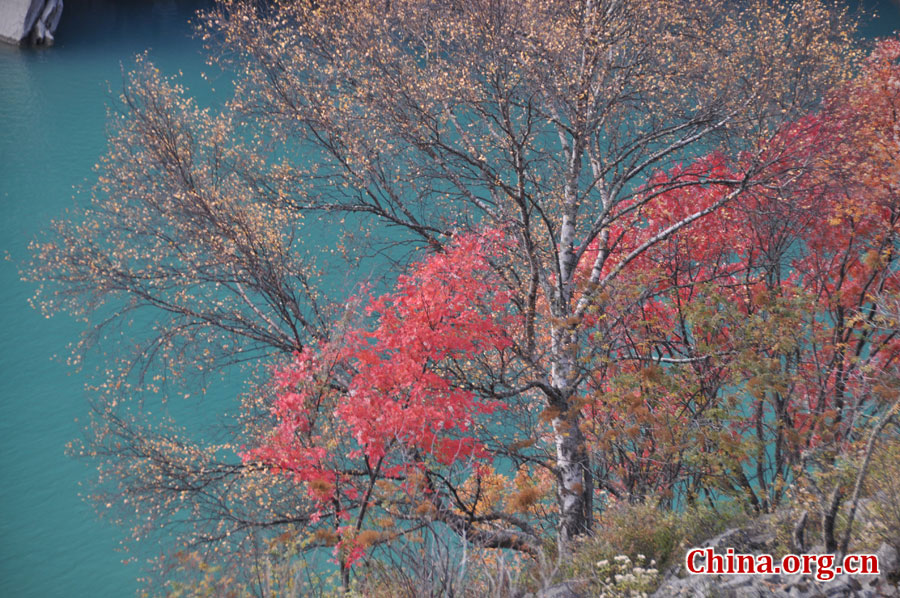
point(52, 131)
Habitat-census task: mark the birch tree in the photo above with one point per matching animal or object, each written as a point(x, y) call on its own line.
point(546, 119)
point(548, 122)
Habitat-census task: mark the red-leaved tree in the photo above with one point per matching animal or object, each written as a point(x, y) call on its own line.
point(732, 353)
point(640, 231)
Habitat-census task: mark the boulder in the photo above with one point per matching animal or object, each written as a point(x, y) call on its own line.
point(563, 590)
point(29, 21)
point(566, 589)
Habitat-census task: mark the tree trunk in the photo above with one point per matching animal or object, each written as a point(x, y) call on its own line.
point(829, 518)
point(574, 479)
point(575, 486)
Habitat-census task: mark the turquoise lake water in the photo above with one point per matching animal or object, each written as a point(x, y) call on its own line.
point(52, 131)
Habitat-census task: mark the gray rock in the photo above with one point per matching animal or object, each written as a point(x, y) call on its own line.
point(888, 559)
point(29, 21)
point(562, 590)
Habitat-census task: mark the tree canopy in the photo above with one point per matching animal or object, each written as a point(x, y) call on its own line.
point(630, 250)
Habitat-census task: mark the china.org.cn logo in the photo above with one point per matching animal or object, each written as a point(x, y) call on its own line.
point(705, 561)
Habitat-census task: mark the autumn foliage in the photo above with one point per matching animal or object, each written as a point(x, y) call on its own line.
point(623, 252)
point(401, 387)
point(754, 343)
point(739, 355)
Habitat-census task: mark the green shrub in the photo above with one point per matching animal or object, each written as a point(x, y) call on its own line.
point(882, 517)
point(650, 538)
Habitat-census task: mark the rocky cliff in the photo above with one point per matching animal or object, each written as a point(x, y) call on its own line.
point(29, 21)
